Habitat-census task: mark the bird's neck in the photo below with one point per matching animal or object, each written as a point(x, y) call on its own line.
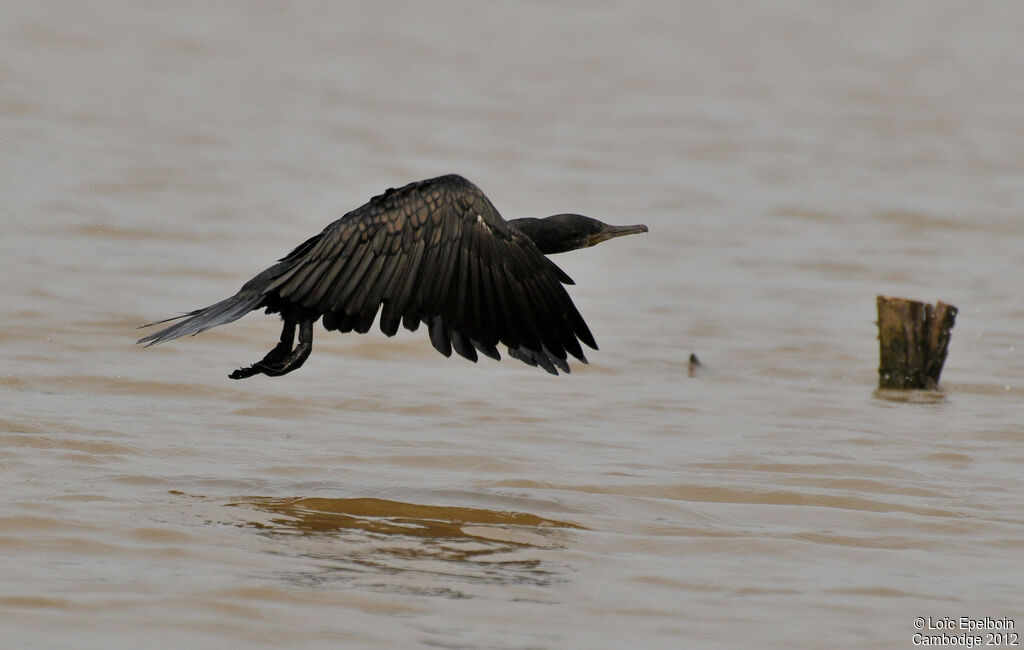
point(543, 234)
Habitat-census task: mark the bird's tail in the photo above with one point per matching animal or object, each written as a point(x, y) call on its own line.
point(221, 313)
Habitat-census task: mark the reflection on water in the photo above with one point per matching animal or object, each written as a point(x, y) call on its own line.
point(910, 396)
point(383, 543)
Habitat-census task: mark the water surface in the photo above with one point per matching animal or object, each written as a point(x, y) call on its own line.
point(792, 160)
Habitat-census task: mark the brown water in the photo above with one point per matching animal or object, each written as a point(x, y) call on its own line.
point(792, 160)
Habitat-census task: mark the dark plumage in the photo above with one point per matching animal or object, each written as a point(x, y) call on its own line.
point(435, 252)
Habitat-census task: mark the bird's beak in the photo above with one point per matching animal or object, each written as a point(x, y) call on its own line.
point(609, 232)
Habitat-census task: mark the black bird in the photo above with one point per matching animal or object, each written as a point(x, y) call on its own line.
point(435, 252)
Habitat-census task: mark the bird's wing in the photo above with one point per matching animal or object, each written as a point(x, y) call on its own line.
point(438, 252)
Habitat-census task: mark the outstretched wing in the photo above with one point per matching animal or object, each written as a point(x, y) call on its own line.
point(437, 252)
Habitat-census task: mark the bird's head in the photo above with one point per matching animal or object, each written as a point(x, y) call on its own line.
point(568, 232)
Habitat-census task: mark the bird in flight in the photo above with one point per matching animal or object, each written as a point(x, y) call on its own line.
point(434, 252)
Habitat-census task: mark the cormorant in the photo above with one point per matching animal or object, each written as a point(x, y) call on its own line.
point(437, 252)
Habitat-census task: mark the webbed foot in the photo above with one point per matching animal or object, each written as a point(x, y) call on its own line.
point(282, 359)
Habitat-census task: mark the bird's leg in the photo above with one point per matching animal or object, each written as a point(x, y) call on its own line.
point(296, 357)
point(284, 346)
point(275, 357)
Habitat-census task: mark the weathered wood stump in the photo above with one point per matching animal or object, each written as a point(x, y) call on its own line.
point(913, 338)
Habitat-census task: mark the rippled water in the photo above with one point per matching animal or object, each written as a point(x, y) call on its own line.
point(793, 160)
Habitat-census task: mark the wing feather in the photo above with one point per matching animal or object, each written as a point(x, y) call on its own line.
point(437, 252)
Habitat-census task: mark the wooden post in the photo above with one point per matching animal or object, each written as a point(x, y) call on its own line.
point(913, 339)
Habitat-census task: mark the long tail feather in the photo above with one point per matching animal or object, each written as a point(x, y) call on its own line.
point(221, 313)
